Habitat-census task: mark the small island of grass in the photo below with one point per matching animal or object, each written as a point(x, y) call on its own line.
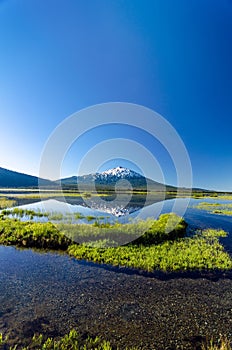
point(216, 208)
point(159, 248)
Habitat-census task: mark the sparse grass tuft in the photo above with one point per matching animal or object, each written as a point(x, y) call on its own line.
point(70, 341)
point(221, 344)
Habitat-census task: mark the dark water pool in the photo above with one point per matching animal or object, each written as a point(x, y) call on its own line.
point(51, 293)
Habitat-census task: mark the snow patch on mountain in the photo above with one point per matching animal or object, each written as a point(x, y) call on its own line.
point(120, 173)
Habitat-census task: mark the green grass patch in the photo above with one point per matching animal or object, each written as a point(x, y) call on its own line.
point(216, 208)
point(168, 227)
point(161, 247)
point(32, 234)
point(112, 234)
point(73, 341)
point(201, 252)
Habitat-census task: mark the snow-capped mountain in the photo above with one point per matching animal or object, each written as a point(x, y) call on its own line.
point(109, 178)
point(120, 173)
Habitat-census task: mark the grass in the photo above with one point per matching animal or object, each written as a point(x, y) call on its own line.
point(19, 212)
point(6, 203)
point(201, 252)
point(53, 216)
point(32, 234)
point(221, 344)
point(114, 234)
point(158, 249)
point(53, 194)
point(163, 247)
point(169, 226)
point(216, 208)
point(73, 341)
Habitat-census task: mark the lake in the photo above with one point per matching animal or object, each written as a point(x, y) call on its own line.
point(125, 210)
point(51, 293)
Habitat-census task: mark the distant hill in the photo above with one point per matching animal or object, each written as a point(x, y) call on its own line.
point(103, 181)
point(13, 179)
point(108, 179)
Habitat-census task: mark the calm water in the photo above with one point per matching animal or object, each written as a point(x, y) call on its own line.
point(123, 210)
point(51, 293)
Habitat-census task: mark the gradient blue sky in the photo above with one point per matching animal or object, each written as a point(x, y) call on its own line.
point(57, 57)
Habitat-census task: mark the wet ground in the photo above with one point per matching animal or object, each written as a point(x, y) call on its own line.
point(51, 293)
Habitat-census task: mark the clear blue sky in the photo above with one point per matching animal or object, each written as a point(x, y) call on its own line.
point(59, 56)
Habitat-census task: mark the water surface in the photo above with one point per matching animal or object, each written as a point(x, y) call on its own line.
point(51, 293)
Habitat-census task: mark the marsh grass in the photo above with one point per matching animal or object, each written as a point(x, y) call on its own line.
point(52, 216)
point(32, 234)
point(155, 250)
point(216, 208)
point(20, 213)
point(201, 252)
point(73, 341)
point(221, 344)
point(104, 231)
point(7, 203)
point(70, 341)
point(45, 195)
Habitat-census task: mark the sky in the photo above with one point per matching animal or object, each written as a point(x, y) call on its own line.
point(174, 57)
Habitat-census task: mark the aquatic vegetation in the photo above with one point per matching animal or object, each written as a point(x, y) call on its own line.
point(168, 227)
point(78, 216)
point(7, 203)
point(49, 194)
point(119, 233)
point(73, 341)
point(52, 216)
point(155, 250)
point(32, 234)
point(70, 341)
point(90, 218)
point(225, 197)
point(200, 252)
point(19, 212)
point(55, 216)
point(215, 208)
point(221, 344)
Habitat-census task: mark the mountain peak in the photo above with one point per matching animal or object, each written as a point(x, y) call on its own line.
point(120, 172)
